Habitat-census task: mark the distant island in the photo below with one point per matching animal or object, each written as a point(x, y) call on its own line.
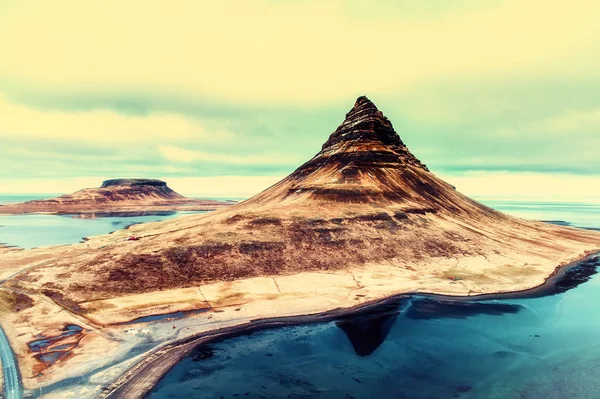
point(116, 195)
point(362, 221)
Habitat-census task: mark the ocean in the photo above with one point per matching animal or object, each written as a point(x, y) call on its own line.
point(29, 231)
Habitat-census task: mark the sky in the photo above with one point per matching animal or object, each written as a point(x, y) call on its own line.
point(224, 98)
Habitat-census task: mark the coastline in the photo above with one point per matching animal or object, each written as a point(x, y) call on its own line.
point(18, 209)
point(139, 380)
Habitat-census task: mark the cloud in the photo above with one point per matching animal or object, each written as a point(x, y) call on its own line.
point(206, 89)
point(291, 52)
point(223, 186)
point(580, 122)
point(100, 126)
point(49, 142)
point(175, 154)
point(556, 187)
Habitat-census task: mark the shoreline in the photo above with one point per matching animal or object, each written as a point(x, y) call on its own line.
point(139, 380)
point(106, 211)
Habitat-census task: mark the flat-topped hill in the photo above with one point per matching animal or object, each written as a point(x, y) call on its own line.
point(116, 195)
point(133, 182)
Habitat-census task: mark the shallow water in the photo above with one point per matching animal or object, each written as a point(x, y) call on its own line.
point(40, 345)
point(421, 347)
point(29, 231)
point(580, 214)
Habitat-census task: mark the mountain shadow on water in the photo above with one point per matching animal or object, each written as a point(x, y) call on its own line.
point(428, 308)
point(366, 333)
point(202, 352)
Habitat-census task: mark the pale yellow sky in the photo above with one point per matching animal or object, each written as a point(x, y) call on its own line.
point(230, 95)
point(289, 51)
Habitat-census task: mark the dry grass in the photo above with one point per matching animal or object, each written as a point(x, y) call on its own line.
point(14, 302)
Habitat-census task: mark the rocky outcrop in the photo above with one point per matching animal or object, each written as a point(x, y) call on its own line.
point(133, 182)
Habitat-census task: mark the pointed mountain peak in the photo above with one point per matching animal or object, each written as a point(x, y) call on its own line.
point(364, 99)
point(364, 102)
point(364, 123)
point(363, 161)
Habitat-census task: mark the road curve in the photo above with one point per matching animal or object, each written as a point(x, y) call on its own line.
point(12, 384)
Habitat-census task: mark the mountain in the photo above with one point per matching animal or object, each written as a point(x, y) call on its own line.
point(116, 195)
point(364, 162)
point(362, 221)
point(363, 203)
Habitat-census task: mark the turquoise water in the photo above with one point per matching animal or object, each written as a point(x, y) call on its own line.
point(16, 198)
point(579, 214)
point(535, 348)
point(29, 231)
point(420, 347)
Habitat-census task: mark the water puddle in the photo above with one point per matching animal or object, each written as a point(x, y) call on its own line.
point(49, 350)
point(44, 343)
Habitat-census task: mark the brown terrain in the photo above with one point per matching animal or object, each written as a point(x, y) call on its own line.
point(362, 220)
point(116, 195)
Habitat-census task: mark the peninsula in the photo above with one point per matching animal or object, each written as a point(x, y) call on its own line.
point(361, 221)
point(116, 195)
